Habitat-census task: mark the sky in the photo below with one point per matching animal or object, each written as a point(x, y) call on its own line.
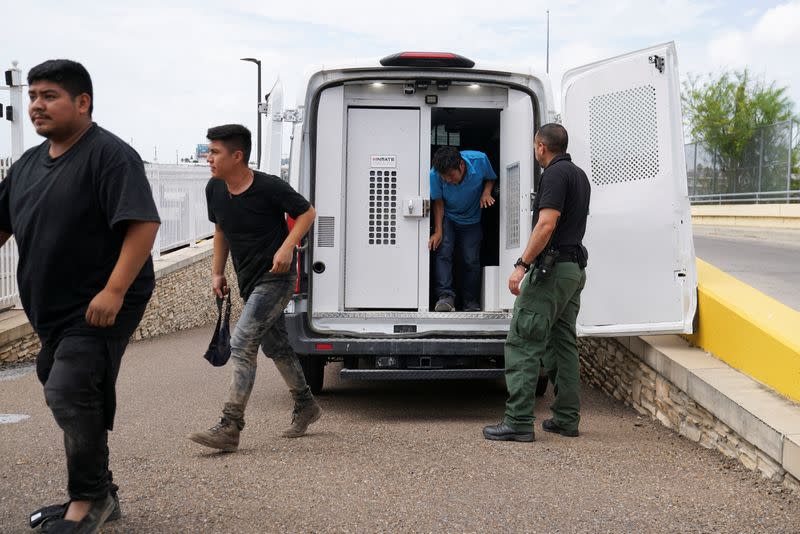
point(163, 74)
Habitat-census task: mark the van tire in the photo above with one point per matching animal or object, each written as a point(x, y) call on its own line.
point(541, 385)
point(314, 370)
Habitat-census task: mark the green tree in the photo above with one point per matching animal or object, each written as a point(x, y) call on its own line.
point(725, 112)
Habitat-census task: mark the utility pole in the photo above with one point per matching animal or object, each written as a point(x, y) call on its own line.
point(547, 67)
point(14, 111)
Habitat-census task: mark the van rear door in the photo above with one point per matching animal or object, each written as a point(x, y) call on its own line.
point(623, 116)
point(516, 184)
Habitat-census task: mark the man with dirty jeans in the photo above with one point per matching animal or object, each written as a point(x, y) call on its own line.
point(262, 323)
point(248, 208)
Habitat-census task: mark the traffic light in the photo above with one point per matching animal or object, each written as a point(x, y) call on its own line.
point(13, 77)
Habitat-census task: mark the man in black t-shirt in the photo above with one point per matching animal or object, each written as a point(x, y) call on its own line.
point(249, 210)
point(81, 210)
point(545, 311)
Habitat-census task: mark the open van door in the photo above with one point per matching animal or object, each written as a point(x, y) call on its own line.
point(516, 184)
point(623, 116)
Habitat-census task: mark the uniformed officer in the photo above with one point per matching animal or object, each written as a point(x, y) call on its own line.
point(548, 300)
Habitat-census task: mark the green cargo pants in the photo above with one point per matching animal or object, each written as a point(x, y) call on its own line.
point(543, 331)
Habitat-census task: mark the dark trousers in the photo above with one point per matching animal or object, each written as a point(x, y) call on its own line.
point(466, 241)
point(79, 374)
point(542, 331)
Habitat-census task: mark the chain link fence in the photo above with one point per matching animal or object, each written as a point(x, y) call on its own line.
point(762, 175)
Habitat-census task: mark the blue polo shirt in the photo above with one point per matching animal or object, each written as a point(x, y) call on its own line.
point(462, 201)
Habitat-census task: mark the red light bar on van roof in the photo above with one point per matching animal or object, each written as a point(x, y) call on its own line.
point(427, 59)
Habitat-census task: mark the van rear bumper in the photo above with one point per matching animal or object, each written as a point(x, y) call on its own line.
point(304, 341)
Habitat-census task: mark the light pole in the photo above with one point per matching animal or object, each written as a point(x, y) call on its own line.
point(258, 113)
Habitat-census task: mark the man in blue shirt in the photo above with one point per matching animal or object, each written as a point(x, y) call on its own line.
point(461, 184)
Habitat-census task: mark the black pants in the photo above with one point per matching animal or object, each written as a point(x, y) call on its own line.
point(79, 374)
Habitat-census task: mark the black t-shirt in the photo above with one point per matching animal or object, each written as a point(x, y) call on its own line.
point(69, 217)
point(563, 186)
point(254, 223)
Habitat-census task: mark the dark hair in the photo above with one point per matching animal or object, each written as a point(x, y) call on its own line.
point(446, 158)
point(554, 137)
point(70, 75)
point(234, 137)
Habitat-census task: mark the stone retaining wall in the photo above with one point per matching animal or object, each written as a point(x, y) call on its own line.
point(182, 299)
point(20, 350)
point(613, 368)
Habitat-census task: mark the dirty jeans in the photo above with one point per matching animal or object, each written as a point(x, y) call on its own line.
point(262, 323)
point(79, 374)
point(543, 330)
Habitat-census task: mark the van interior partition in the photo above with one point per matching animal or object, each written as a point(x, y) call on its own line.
point(470, 129)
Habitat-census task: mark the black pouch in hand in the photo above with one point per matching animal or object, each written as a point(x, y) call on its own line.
point(219, 350)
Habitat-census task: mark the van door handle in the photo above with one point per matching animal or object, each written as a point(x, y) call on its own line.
point(410, 206)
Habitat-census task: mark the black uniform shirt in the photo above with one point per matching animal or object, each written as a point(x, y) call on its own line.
point(254, 223)
point(69, 217)
point(563, 186)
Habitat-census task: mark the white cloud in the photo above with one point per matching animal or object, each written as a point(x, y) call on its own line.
point(164, 73)
point(768, 47)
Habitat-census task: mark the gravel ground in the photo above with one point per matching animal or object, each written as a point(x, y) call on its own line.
point(385, 457)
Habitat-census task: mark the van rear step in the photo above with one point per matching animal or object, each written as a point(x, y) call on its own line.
point(419, 374)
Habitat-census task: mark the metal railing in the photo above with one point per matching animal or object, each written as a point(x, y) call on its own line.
point(180, 196)
point(5, 164)
point(9, 293)
point(179, 193)
point(758, 197)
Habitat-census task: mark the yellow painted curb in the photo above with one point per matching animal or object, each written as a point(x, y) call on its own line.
point(748, 330)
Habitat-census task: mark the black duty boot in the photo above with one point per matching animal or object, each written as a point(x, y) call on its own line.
point(503, 432)
point(548, 425)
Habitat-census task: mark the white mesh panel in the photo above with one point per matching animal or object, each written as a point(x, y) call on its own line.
point(512, 205)
point(623, 136)
point(382, 207)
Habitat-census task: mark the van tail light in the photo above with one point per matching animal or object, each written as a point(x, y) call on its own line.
point(427, 59)
point(323, 346)
point(290, 224)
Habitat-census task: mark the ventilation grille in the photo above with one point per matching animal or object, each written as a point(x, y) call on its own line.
point(382, 207)
point(325, 226)
point(623, 135)
point(512, 206)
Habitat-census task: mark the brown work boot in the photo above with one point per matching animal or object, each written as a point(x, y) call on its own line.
point(301, 418)
point(223, 436)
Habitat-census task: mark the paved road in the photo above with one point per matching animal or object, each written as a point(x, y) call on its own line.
point(768, 260)
point(400, 457)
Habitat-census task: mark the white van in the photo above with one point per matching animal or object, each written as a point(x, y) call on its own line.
point(361, 153)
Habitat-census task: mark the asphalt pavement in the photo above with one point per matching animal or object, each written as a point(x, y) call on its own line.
point(385, 457)
point(767, 259)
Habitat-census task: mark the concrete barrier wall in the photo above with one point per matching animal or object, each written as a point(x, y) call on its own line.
point(182, 299)
point(786, 216)
point(748, 330)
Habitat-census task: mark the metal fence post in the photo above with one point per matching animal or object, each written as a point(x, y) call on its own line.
point(156, 178)
point(789, 166)
point(760, 163)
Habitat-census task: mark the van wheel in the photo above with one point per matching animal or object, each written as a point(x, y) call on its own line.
point(314, 370)
point(541, 385)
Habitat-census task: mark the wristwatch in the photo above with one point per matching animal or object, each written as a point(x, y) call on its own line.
point(523, 264)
